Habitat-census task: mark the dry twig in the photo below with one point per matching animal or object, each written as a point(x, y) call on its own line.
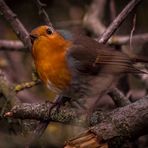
point(11, 45)
point(118, 21)
point(112, 9)
point(122, 40)
point(15, 23)
point(132, 31)
point(128, 122)
point(43, 13)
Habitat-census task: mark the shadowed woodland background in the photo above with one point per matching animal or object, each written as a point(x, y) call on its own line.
point(65, 14)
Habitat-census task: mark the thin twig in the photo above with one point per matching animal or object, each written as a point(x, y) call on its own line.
point(11, 45)
point(15, 23)
point(118, 21)
point(25, 85)
point(132, 31)
point(35, 81)
point(112, 10)
point(43, 13)
point(123, 40)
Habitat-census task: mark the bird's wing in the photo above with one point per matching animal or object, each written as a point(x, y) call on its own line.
point(113, 61)
point(81, 60)
point(89, 57)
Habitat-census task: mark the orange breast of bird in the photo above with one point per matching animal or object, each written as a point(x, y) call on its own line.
point(50, 61)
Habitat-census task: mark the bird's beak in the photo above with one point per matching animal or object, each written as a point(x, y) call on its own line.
point(32, 38)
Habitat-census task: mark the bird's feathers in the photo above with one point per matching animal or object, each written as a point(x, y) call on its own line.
point(89, 57)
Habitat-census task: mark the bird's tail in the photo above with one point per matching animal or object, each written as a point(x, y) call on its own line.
point(121, 64)
point(140, 59)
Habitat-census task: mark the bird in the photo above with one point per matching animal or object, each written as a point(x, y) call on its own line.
point(76, 66)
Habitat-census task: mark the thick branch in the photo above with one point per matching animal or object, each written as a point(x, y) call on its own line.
point(129, 121)
point(118, 97)
point(118, 21)
point(15, 23)
point(40, 112)
point(124, 123)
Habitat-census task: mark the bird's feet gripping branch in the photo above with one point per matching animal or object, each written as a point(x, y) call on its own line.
point(59, 101)
point(74, 65)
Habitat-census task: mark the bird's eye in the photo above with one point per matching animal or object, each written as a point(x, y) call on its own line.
point(49, 31)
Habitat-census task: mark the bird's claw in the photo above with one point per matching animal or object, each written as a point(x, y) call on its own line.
point(61, 100)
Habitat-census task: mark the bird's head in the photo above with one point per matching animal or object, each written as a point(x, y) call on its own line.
point(50, 33)
point(45, 31)
point(46, 39)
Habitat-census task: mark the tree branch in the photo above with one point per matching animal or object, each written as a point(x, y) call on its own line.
point(40, 112)
point(134, 116)
point(122, 40)
point(26, 85)
point(43, 13)
point(15, 23)
point(125, 123)
point(11, 45)
point(118, 21)
point(118, 97)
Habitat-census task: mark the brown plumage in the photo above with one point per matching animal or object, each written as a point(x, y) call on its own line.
point(78, 66)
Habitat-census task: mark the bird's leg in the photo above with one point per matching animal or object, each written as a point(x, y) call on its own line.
point(59, 101)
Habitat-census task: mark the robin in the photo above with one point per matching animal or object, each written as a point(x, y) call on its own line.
point(76, 66)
